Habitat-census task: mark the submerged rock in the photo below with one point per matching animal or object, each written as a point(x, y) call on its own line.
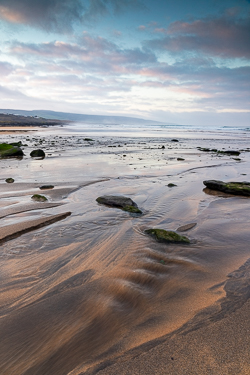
point(169, 236)
point(186, 227)
point(39, 198)
point(8, 150)
point(236, 188)
point(124, 203)
point(37, 153)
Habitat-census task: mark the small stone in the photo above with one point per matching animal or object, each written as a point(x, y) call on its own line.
point(44, 187)
point(171, 184)
point(9, 180)
point(186, 227)
point(39, 198)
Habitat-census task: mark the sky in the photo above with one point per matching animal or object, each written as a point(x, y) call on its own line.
point(184, 62)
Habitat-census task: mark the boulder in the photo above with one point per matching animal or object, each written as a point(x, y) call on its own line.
point(168, 236)
point(236, 188)
point(124, 203)
point(37, 153)
point(8, 150)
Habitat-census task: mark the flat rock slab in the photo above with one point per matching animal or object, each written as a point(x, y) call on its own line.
point(168, 236)
point(124, 203)
point(186, 227)
point(235, 188)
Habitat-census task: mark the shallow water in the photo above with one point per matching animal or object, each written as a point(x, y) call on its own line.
point(90, 287)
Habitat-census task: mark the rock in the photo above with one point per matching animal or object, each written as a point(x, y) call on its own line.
point(180, 159)
point(19, 144)
point(236, 188)
point(171, 185)
point(9, 180)
point(186, 227)
point(37, 153)
point(8, 150)
point(121, 202)
point(39, 198)
point(227, 152)
point(44, 187)
point(174, 140)
point(168, 236)
point(88, 139)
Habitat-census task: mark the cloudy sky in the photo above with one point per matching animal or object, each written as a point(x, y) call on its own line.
point(178, 61)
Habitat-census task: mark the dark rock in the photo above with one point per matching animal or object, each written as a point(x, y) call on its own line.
point(186, 227)
point(168, 236)
point(228, 152)
point(171, 185)
point(163, 147)
point(121, 202)
point(9, 180)
point(236, 188)
point(44, 187)
point(18, 144)
point(174, 140)
point(37, 153)
point(8, 150)
point(88, 139)
point(39, 198)
point(180, 159)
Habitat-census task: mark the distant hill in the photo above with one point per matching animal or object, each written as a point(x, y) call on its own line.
point(77, 117)
point(17, 120)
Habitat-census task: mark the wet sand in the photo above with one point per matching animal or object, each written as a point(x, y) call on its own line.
point(92, 293)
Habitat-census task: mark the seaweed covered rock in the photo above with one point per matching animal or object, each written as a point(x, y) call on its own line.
point(8, 150)
point(37, 153)
point(124, 203)
point(168, 236)
point(236, 188)
point(39, 198)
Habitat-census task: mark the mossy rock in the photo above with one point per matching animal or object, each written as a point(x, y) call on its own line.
point(124, 203)
point(235, 188)
point(89, 139)
point(9, 180)
point(168, 236)
point(180, 159)
point(132, 209)
point(39, 198)
point(171, 184)
point(8, 150)
point(37, 153)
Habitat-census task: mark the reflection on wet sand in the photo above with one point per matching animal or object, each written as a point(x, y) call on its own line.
point(89, 288)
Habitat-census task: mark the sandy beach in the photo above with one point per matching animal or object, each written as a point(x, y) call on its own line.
point(84, 290)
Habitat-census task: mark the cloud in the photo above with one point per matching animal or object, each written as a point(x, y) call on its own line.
point(226, 36)
point(60, 15)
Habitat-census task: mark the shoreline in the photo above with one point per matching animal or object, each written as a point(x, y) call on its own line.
point(129, 295)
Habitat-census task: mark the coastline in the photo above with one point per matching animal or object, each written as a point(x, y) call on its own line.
point(171, 296)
